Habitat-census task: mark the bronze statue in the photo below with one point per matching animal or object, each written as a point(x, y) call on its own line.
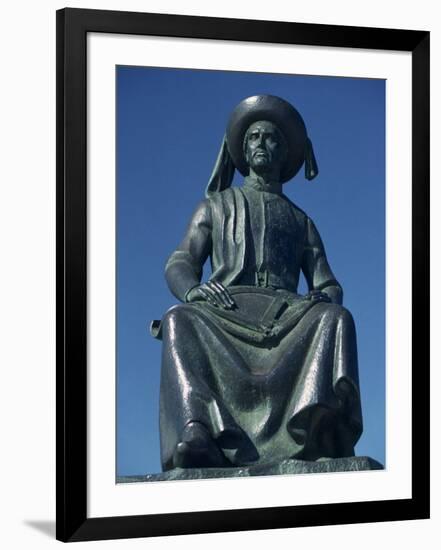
point(253, 372)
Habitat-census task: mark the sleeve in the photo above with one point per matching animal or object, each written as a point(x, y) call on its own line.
point(184, 268)
point(315, 265)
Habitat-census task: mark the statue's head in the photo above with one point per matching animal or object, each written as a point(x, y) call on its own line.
point(288, 138)
point(266, 134)
point(265, 148)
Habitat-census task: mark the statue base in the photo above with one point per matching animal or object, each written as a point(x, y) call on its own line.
point(286, 467)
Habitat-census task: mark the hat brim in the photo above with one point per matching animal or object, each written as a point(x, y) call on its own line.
point(279, 112)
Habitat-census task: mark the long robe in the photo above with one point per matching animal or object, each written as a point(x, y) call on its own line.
point(277, 376)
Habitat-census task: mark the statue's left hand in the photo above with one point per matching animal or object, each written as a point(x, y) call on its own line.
point(318, 296)
point(214, 293)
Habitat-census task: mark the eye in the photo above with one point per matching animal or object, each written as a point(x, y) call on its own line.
point(271, 139)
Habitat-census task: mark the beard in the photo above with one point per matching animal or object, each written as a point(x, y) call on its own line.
point(262, 163)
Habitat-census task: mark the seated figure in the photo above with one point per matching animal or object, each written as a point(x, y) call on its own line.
point(252, 371)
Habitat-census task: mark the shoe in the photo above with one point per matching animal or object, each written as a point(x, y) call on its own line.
point(197, 449)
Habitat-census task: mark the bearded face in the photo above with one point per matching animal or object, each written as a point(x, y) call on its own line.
point(264, 148)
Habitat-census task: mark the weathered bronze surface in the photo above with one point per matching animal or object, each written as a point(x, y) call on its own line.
point(252, 372)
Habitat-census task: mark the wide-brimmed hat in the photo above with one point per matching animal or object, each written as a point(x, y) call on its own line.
point(279, 112)
point(287, 119)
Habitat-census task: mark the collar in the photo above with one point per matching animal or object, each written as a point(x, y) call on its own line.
point(258, 184)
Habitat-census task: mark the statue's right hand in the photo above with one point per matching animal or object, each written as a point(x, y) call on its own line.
point(212, 292)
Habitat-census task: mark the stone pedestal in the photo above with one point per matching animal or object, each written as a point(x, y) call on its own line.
point(286, 467)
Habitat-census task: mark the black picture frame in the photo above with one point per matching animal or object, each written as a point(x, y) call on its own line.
point(71, 428)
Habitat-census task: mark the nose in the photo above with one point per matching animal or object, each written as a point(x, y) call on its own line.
point(259, 140)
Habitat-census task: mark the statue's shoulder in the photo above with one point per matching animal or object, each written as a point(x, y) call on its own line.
point(202, 210)
point(224, 195)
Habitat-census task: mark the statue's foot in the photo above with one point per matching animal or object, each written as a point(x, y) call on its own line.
point(197, 449)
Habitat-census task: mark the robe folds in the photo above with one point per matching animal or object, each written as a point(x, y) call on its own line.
point(276, 377)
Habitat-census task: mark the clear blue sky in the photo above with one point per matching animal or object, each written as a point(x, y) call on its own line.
point(170, 123)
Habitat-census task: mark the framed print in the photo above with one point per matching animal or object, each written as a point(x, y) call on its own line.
point(143, 104)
